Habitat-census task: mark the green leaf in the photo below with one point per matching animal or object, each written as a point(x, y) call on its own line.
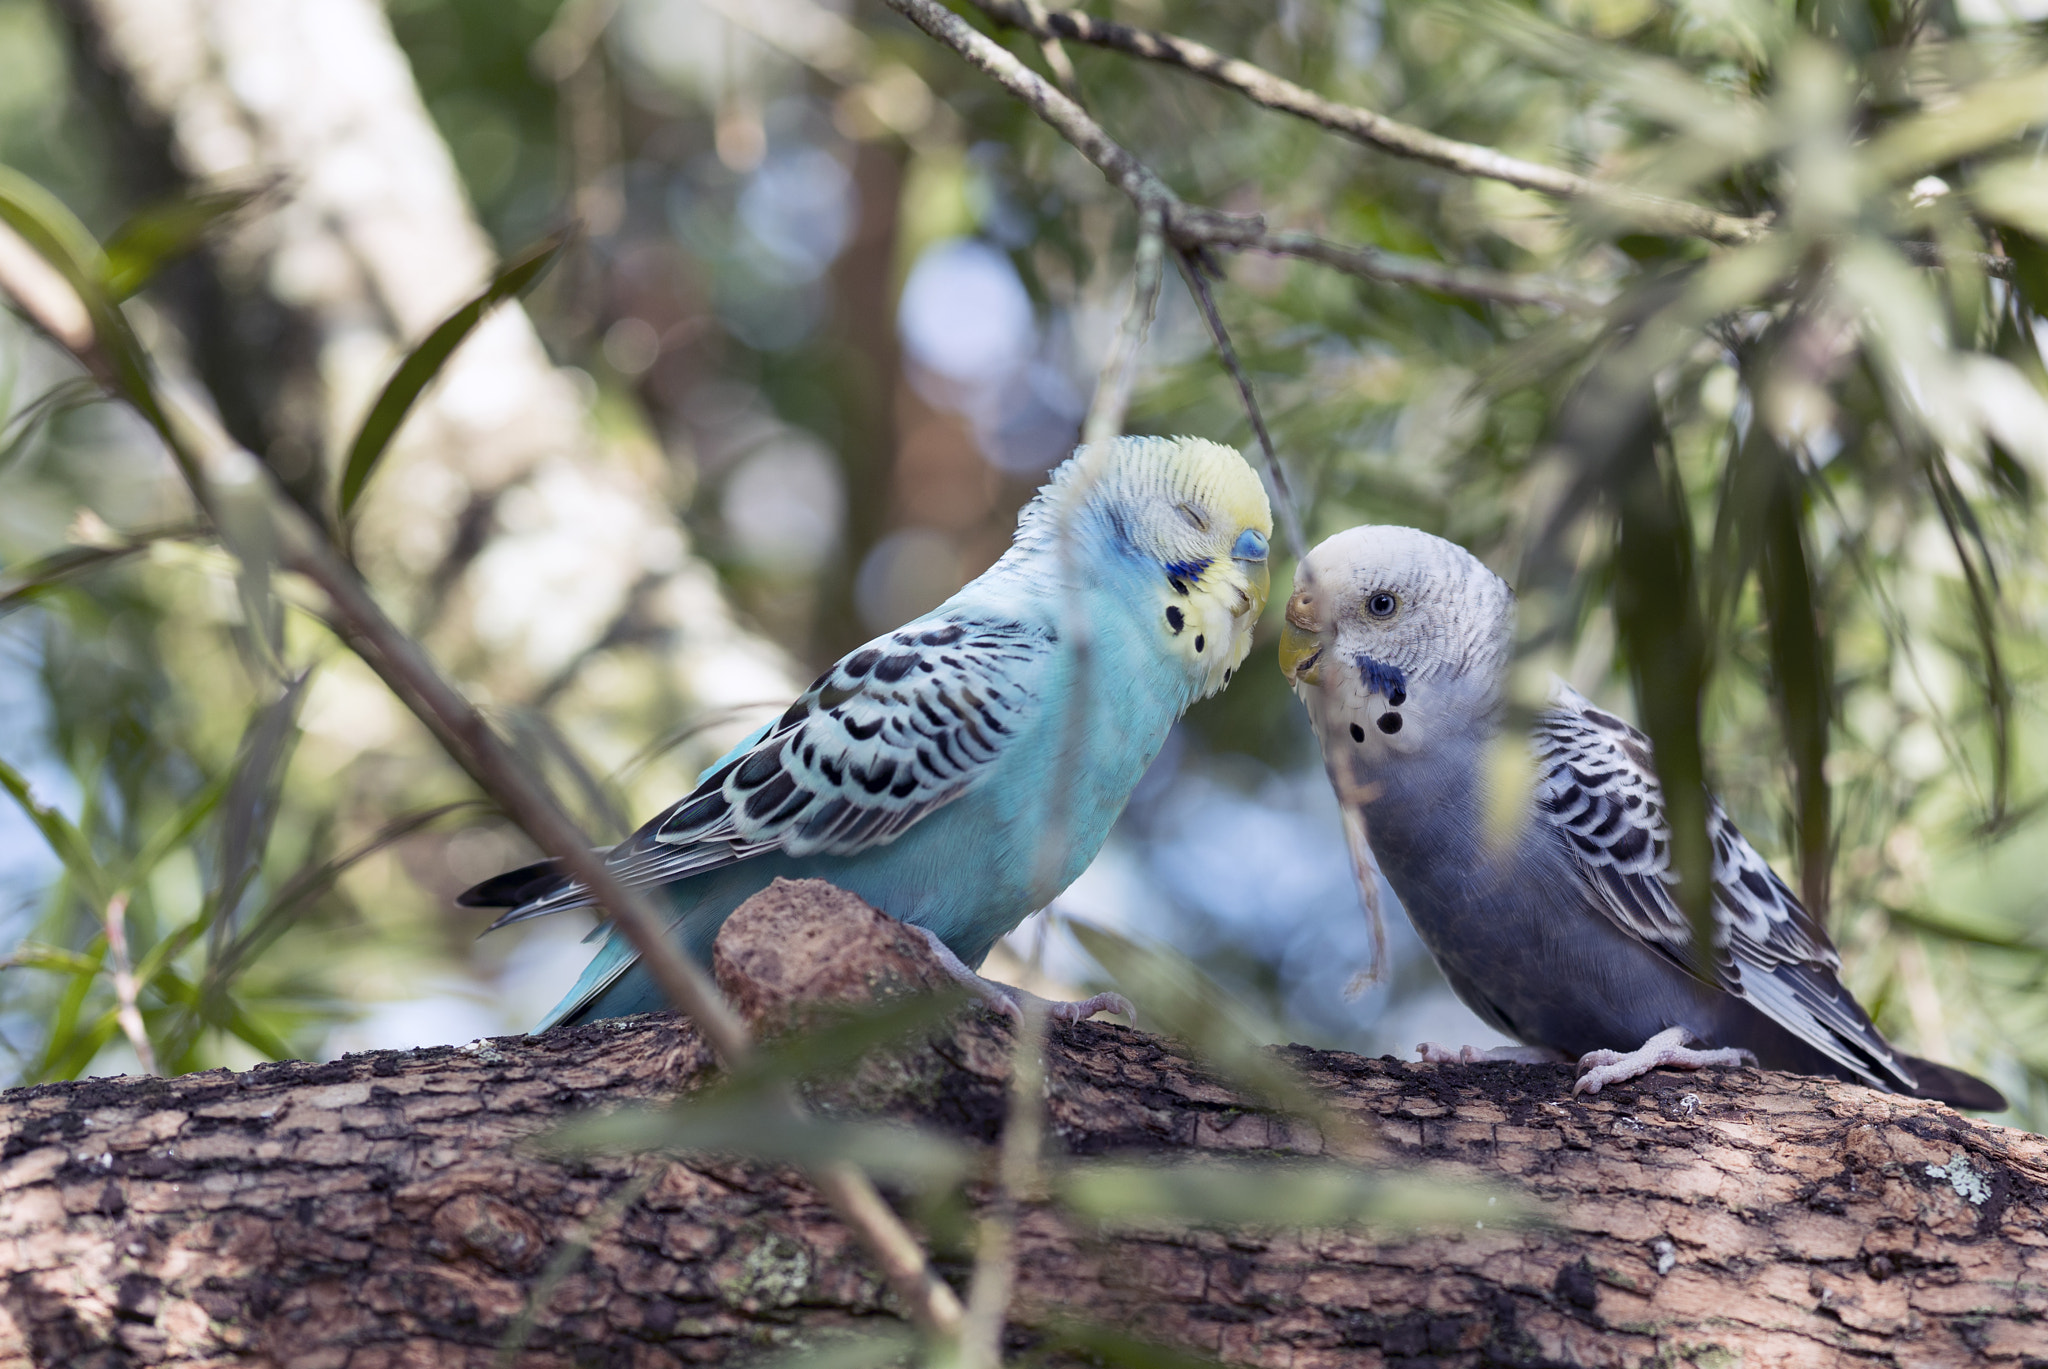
point(1980, 576)
point(34, 955)
point(1277, 1193)
point(1117, 1347)
point(65, 841)
point(1802, 678)
point(765, 1128)
point(1175, 997)
point(61, 240)
point(1658, 623)
point(38, 578)
point(162, 232)
point(424, 363)
point(836, 1040)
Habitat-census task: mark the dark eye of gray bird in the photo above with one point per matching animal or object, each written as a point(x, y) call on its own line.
point(1381, 605)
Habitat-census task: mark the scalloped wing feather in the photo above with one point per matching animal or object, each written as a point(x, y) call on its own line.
point(889, 735)
point(1597, 789)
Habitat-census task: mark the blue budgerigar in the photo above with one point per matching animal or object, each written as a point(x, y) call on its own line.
point(960, 771)
point(1549, 906)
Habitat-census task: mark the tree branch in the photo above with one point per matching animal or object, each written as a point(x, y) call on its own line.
point(1373, 129)
point(1190, 227)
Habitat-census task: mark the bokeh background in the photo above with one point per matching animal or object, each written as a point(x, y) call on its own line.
point(834, 308)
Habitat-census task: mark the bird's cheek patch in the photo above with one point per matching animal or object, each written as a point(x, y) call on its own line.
point(1389, 681)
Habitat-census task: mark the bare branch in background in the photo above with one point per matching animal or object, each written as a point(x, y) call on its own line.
point(1652, 212)
point(1463, 282)
point(1290, 516)
point(1119, 369)
point(1189, 226)
point(1019, 1179)
point(127, 1009)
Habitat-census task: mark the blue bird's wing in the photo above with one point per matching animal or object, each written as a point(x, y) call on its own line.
point(895, 731)
point(1597, 789)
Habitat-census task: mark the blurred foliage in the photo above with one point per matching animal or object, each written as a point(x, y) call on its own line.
point(1787, 489)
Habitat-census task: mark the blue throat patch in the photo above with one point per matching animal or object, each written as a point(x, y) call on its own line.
point(1381, 678)
point(1188, 570)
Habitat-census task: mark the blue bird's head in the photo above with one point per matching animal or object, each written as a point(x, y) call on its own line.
point(1178, 528)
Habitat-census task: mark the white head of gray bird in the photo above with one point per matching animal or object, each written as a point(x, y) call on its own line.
point(1399, 639)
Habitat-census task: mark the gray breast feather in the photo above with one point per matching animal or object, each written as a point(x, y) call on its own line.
point(1597, 793)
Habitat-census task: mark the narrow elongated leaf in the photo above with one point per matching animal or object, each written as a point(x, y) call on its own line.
point(766, 1129)
point(1801, 677)
point(251, 805)
point(65, 841)
point(18, 435)
point(836, 1041)
point(1174, 996)
point(1117, 1347)
point(160, 233)
point(313, 881)
point(1981, 579)
point(1658, 623)
point(425, 361)
point(1270, 1193)
point(33, 955)
point(61, 240)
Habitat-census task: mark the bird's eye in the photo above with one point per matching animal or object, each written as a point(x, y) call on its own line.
point(1193, 516)
point(1250, 546)
point(1382, 604)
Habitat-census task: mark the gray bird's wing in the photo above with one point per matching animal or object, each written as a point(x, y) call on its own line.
point(896, 730)
point(1597, 789)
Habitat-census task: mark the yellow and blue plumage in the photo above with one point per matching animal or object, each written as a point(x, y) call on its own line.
point(960, 771)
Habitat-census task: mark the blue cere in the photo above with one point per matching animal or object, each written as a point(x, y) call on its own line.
point(1250, 546)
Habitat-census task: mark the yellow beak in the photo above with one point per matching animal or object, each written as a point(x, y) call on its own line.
point(1301, 644)
point(1258, 582)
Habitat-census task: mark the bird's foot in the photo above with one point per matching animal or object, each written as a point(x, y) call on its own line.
point(1006, 1000)
point(1598, 1069)
point(1433, 1054)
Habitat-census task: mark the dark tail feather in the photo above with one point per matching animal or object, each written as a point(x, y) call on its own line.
point(1952, 1086)
point(515, 889)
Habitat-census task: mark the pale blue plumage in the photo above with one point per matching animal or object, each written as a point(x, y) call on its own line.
point(931, 772)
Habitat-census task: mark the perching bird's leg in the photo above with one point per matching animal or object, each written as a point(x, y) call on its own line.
point(1433, 1054)
point(1008, 1001)
point(1597, 1069)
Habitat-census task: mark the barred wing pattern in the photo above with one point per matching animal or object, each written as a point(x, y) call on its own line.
point(1597, 787)
point(896, 730)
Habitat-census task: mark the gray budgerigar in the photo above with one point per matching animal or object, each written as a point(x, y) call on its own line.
point(1550, 907)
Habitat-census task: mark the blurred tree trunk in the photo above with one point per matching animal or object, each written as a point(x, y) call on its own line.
point(520, 540)
point(385, 1209)
point(864, 293)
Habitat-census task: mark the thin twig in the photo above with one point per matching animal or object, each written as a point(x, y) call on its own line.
point(1112, 398)
point(1370, 127)
point(1464, 282)
point(1189, 227)
point(127, 1009)
point(1018, 1181)
point(1056, 60)
point(1283, 495)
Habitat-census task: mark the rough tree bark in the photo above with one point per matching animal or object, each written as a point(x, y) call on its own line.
point(381, 1209)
